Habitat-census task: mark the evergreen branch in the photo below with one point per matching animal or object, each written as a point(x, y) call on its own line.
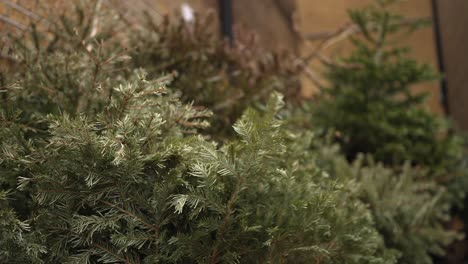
point(227, 219)
point(123, 107)
point(331, 244)
point(57, 191)
point(124, 260)
point(148, 225)
point(24, 126)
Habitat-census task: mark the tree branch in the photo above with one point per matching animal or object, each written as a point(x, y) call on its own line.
point(148, 225)
point(227, 219)
point(13, 23)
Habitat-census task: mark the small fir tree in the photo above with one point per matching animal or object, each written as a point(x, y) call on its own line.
point(370, 104)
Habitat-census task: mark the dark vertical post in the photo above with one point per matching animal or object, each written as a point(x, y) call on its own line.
point(440, 57)
point(225, 15)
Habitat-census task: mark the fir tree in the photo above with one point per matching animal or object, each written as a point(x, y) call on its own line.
point(370, 107)
point(370, 104)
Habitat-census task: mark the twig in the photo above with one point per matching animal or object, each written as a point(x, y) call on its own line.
point(227, 218)
point(329, 62)
point(13, 23)
point(312, 76)
point(95, 22)
point(124, 260)
point(328, 34)
point(331, 38)
point(24, 11)
point(228, 102)
point(8, 58)
point(133, 6)
point(148, 4)
point(148, 225)
point(340, 34)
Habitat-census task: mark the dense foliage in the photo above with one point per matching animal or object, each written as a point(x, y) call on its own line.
point(128, 186)
point(103, 162)
point(408, 208)
point(370, 103)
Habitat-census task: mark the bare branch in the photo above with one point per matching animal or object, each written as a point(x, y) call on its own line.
point(13, 23)
point(329, 34)
point(332, 38)
point(22, 10)
point(95, 23)
point(309, 73)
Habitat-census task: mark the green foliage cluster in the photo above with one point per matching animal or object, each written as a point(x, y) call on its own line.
point(409, 208)
point(103, 162)
point(101, 165)
point(369, 108)
point(132, 184)
point(370, 104)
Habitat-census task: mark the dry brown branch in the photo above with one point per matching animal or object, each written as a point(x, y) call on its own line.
point(309, 73)
point(149, 5)
point(9, 59)
point(131, 10)
point(328, 34)
point(342, 33)
point(329, 62)
point(13, 23)
point(22, 10)
point(331, 39)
